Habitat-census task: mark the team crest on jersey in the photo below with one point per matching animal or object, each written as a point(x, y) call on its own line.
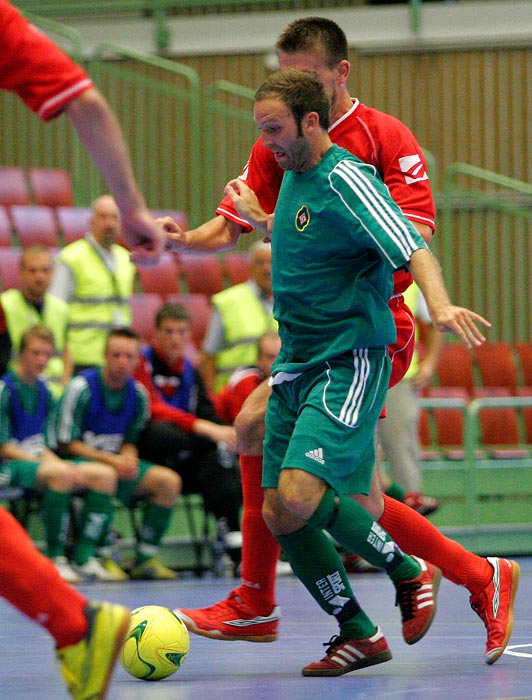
point(413, 169)
point(302, 218)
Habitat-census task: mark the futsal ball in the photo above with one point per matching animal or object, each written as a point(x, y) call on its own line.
point(156, 644)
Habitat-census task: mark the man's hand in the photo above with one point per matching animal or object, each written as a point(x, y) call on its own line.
point(144, 236)
point(462, 322)
point(247, 205)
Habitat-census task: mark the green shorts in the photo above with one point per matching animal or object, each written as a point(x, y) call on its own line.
point(19, 472)
point(126, 489)
point(323, 421)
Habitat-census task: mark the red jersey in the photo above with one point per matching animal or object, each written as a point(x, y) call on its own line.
point(35, 68)
point(240, 385)
point(376, 138)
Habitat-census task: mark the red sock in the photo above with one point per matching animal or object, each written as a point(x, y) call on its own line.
point(417, 535)
point(260, 550)
point(30, 582)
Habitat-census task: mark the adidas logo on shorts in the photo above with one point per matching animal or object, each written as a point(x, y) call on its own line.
point(316, 455)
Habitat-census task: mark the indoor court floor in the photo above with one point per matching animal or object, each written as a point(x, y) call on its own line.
point(446, 665)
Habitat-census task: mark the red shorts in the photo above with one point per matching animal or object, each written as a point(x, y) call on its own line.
point(402, 350)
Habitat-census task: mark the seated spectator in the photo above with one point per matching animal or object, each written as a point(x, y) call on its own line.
point(240, 315)
point(101, 416)
point(95, 276)
point(32, 304)
point(26, 442)
point(184, 432)
point(245, 379)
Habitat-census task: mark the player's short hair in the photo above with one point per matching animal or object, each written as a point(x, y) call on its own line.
point(39, 331)
point(300, 91)
point(122, 332)
point(31, 252)
point(171, 312)
point(315, 33)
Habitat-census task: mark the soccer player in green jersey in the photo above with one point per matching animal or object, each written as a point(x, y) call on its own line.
point(337, 238)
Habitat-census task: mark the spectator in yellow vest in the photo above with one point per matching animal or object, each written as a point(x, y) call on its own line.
point(95, 277)
point(32, 304)
point(241, 315)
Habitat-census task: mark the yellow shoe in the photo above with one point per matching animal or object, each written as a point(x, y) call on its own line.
point(87, 666)
point(110, 565)
point(152, 569)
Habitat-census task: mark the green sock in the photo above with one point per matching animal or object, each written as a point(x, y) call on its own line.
point(318, 565)
point(353, 527)
point(56, 519)
point(154, 525)
point(96, 518)
point(396, 491)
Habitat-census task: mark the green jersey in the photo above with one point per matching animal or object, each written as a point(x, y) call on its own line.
point(337, 238)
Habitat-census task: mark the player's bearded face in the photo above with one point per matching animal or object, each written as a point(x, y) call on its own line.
point(298, 157)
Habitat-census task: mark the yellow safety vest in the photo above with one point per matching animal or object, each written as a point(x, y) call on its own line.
point(411, 297)
point(100, 300)
point(21, 316)
point(244, 321)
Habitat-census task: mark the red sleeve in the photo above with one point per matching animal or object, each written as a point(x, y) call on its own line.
point(264, 176)
point(229, 401)
point(35, 68)
point(160, 410)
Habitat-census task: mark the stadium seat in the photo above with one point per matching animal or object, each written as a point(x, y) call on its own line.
point(526, 412)
point(496, 365)
point(5, 228)
point(455, 367)
point(499, 426)
point(237, 267)
point(449, 421)
point(143, 310)
point(51, 187)
point(162, 279)
point(199, 308)
point(203, 274)
point(9, 263)
point(73, 222)
point(13, 187)
point(35, 225)
point(524, 352)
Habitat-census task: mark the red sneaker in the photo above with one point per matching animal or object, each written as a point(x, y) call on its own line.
point(424, 505)
point(346, 655)
point(232, 620)
point(417, 601)
point(495, 606)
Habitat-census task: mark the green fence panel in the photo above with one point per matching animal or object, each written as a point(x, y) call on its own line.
point(484, 243)
point(158, 103)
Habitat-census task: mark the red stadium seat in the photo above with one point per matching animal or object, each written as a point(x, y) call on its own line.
point(499, 426)
point(449, 421)
point(526, 412)
point(35, 225)
point(455, 367)
point(51, 187)
point(5, 228)
point(13, 187)
point(237, 266)
point(496, 364)
point(203, 274)
point(524, 352)
point(162, 279)
point(73, 222)
point(9, 267)
point(143, 310)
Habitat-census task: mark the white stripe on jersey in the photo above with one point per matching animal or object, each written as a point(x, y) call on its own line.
point(64, 430)
point(377, 206)
point(351, 408)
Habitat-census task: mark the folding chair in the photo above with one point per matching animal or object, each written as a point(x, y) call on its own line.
point(203, 274)
point(51, 186)
point(14, 187)
point(35, 225)
point(73, 222)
